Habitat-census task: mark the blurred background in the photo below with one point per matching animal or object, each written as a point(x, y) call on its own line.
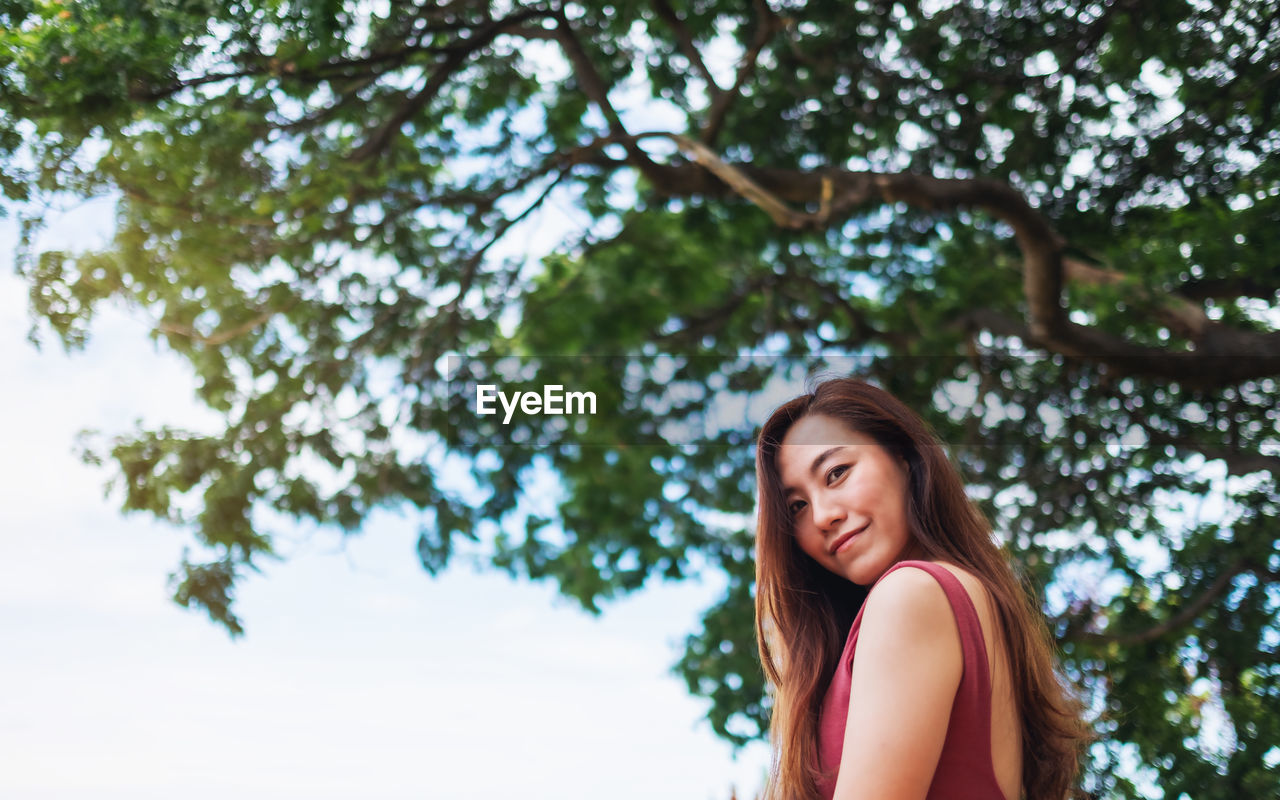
point(264, 251)
point(361, 675)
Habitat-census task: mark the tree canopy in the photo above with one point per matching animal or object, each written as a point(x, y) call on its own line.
point(1050, 226)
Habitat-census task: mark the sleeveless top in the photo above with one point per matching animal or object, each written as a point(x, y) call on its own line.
point(965, 770)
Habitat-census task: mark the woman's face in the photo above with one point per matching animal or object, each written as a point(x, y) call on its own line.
point(847, 497)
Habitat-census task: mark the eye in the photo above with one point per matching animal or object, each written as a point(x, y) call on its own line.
point(835, 473)
point(796, 506)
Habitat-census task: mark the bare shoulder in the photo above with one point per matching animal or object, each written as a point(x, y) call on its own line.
point(906, 669)
point(908, 599)
point(974, 586)
point(908, 588)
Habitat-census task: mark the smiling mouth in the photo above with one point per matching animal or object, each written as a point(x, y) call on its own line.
point(845, 537)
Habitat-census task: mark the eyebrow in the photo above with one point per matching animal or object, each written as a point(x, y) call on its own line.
point(817, 462)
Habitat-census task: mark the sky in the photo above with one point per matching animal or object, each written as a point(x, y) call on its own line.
point(359, 675)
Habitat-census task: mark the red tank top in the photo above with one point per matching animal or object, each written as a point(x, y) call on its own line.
point(965, 771)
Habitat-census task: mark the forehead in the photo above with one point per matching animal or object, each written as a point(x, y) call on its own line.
point(810, 438)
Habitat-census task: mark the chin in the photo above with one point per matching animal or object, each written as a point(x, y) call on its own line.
point(862, 577)
point(865, 574)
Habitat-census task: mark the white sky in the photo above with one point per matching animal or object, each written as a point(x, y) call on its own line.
point(360, 676)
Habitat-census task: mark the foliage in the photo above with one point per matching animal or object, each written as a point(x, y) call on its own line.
point(1050, 225)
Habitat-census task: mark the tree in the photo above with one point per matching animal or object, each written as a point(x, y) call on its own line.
point(1050, 225)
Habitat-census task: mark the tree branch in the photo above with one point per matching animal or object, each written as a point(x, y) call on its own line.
point(1228, 289)
point(453, 61)
point(860, 330)
point(450, 314)
point(668, 15)
point(740, 182)
point(767, 25)
point(138, 195)
point(474, 260)
point(984, 319)
point(1175, 312)
point(218, 338)
point(1186, 615)
point(1239, 462)
point(1222, 354)
point(712, 320)
point(597, 91)
point(272, 66)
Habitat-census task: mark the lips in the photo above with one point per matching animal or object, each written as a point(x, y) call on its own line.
point(845, 537)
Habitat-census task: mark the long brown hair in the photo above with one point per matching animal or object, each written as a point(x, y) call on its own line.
point(803, 612)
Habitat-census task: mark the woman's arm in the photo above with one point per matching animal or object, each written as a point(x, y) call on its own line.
point(906, 671)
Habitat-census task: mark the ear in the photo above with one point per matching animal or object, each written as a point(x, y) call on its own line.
point(907, 478)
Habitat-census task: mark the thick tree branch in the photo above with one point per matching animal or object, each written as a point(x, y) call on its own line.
point(1176, 313)
point(1184, 317)
point(1222, 354)
point(1229, 288)
point(1229, 356)
point(740, 181)
point(838, 192)
point(270, 67)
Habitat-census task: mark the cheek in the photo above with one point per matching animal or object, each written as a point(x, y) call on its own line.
point(810, 543)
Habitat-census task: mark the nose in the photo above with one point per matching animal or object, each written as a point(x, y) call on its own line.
point(826, 512)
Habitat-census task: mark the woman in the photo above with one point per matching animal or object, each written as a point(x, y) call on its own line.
point(906, 660)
